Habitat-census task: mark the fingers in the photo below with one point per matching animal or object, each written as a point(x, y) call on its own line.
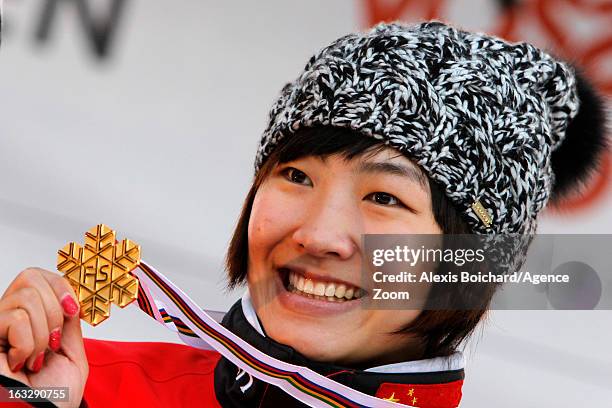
point(28, 300)
point(15, 327)
point(33, 279)
point(43, 280)
point(48, 301)
point(72, 345)
point(63, 292)
point(72, 336)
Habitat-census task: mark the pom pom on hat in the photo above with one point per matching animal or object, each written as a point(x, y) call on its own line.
point(579, 153)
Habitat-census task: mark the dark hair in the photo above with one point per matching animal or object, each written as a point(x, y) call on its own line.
point(441, 331)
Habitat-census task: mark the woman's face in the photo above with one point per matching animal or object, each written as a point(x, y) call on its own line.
point(305, 231)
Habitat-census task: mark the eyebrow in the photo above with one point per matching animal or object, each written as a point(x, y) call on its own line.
point(395, 169)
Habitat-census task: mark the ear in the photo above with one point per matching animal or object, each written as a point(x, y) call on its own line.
point(585, 141)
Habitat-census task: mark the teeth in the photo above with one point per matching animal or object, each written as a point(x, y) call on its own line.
point(332, 292)
point(349, 293)
point(308, 286)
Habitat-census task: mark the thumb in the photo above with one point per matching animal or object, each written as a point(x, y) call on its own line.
point(72, 342)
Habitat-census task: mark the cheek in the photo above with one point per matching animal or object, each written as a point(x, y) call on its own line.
point(270, 221)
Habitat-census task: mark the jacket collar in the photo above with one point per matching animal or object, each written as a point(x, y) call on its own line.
point(432, 382)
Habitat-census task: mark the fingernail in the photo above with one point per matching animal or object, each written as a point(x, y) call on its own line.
point(38, 362)
point(55, 338)
point(17, 367)
point(70, 305)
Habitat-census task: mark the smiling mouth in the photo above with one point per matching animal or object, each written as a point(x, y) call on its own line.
point(318, 289)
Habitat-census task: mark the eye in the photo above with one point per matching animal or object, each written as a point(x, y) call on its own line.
point(385, 199)
point(296, 176)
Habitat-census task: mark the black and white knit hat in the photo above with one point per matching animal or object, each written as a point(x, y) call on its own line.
point(502, 127)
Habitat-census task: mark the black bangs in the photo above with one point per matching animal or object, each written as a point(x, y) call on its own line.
point(326, 141)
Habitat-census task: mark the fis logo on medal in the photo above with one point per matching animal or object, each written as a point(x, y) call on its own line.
point(99, 272)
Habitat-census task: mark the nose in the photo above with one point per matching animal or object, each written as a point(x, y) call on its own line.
point(329, 230)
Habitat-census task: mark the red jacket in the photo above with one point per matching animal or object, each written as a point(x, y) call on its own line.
point(133, 374)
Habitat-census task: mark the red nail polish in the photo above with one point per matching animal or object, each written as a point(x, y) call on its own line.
point(38, 362)
point(55, 338)
point(18, 367)
point(70, 305)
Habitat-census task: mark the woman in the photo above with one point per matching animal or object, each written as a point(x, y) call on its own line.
point(420, 129)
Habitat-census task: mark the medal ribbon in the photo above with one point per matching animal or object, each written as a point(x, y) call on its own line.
point(162, 300)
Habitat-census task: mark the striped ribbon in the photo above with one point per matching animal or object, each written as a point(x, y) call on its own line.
point(161, 299)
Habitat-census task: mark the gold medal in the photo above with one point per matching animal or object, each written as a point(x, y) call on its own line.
point(99, 272)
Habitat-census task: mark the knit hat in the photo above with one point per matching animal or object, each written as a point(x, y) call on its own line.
point(501, 126)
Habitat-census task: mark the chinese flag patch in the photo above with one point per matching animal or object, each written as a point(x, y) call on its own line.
point(445, 395)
